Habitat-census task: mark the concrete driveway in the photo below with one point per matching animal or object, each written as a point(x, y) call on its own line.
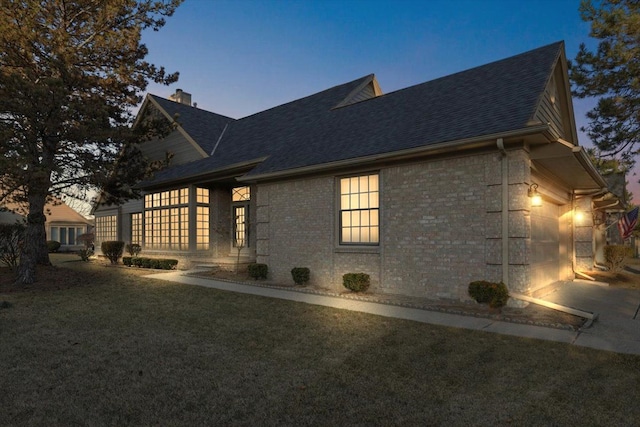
point(618, 325)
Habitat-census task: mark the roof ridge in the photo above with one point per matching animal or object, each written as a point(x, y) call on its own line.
point(469, 70)
point(324, 91)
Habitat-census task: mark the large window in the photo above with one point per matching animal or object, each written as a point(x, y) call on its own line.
point(359, 210)
point(106, 228)
point(136, 228)
point(166, 219)
point(66, 235)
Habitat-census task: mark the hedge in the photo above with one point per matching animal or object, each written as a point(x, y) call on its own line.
point(157, 263)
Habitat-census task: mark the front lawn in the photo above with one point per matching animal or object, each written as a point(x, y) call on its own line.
point(106, 346)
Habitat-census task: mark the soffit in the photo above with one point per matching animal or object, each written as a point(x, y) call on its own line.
point(569, 164)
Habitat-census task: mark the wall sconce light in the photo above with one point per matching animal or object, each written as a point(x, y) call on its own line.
point(536, 198)
point(578, 214)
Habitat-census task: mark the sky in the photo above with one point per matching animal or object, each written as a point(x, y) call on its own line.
point(239, 57)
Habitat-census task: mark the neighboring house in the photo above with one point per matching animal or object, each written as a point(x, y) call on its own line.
point(63, 224)
point(426, 188)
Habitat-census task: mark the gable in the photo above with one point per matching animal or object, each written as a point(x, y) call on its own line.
point(555, 107)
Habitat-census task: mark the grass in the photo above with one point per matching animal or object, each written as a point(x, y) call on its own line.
point(101, 345)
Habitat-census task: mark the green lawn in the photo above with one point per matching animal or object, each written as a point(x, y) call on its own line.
point(118, 349)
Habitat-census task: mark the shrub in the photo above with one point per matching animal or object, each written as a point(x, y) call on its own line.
point(168, 264)
point(133, 249)
point(85, 254)
point(356, 282)
point(52, 245)
point(158, 263)
point(11, 239)
point(258, 271)
point(300, 275)
point(112, 249)
point(494, 294)
point(87, 240)
point(617, 255)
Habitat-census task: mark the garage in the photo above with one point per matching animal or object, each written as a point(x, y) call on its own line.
point(545, 244)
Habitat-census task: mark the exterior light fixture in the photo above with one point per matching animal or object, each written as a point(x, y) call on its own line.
point(579, 215)
point(536, 198)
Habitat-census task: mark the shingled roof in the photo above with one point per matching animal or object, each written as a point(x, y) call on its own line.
point(203, 126)
point(492, 99)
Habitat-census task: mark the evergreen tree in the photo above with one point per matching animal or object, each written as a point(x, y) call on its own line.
point(70, 73)
point(611, 73)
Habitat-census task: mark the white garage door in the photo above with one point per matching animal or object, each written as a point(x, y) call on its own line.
point(545, 245)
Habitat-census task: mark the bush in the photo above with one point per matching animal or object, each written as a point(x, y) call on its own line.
point(356, 282)
point(87, 240)
point(300, 275)
point(133, 249)
point(159, 263)
point(85, 254)
point(112, 249)
point(494, 294)
point(52, 245)
point(168, 264)
point(11, 240)
point(616, 256)
point(258, 271)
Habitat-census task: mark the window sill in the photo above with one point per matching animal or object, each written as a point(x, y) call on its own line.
point(357, 249)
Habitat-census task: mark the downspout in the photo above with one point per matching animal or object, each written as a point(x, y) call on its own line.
point(505, 211)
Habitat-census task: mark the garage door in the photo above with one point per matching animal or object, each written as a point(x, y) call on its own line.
point(545, 244)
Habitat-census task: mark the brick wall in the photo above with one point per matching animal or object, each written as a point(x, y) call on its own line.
point(441, 228)
point(434, 217)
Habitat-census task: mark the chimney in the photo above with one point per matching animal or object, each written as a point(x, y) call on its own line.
point(181, 97)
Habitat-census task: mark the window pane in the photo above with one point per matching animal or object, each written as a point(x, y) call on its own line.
point(373, 183)
point(364, 184)
point(374, 235)
point(344, 186)
point(72, 236)
point(63, 235)
point(364, 200)
point(346, 219)
point(344, 202)
point(55, 235)
point(353, 201)
point(373, 200)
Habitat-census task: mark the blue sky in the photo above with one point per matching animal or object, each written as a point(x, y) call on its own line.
point(238, 57)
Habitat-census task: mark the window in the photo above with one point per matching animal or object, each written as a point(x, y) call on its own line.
point(106, 228)
point(202, 227)
point(66, 235)
point(241, 194)
point(136, 228)
point(359, 210)
point(166, 219)
point(240, 197)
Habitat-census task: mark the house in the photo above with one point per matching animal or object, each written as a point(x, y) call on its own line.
point(476, 175)
point(63, 224)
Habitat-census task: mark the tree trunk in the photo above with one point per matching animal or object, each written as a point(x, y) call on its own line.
point(34, 251)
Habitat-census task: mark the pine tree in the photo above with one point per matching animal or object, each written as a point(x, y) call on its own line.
point(71, 72)
point(612, 74)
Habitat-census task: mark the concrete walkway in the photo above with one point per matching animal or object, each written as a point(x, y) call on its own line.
point(618, 334)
